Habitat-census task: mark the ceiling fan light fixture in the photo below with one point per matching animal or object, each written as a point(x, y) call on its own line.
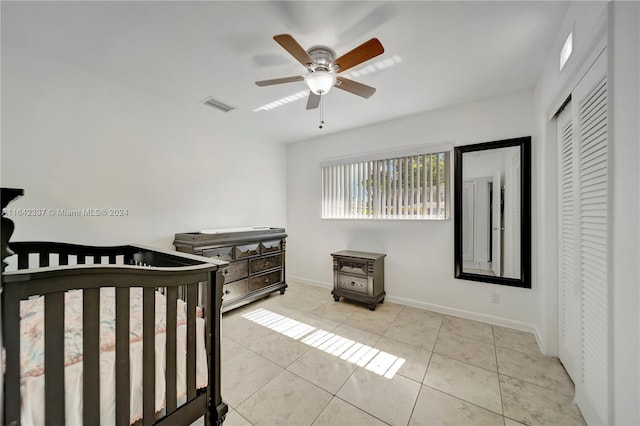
point(320, 82)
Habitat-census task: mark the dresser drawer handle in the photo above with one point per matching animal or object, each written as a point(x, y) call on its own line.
point(227, 292)
point(226, 272)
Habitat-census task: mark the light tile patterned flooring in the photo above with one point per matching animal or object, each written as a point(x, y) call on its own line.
point(303, 359)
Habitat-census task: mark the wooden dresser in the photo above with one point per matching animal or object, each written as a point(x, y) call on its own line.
point(359, 276)
point(256, 259)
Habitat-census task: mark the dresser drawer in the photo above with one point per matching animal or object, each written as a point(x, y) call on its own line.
point(352, 266)
point(234, 290)
point(257, 282)
point(247, 250)
point(348, 282)
point(270, 246)
point(264, 263)
point(236, 271)
point(223, 253)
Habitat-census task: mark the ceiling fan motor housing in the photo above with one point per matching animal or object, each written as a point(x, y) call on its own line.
point(322, 58)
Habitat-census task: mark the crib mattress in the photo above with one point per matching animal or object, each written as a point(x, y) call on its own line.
point(32, 356)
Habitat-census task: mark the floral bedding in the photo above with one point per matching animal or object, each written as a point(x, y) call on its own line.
point(32, 326)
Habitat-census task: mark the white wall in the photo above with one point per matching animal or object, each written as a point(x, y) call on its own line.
point(419, 266)
point(624, 71)
point(621, 21)
point(73, 140)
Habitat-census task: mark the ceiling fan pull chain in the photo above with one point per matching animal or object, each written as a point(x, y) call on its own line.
point(321, 112)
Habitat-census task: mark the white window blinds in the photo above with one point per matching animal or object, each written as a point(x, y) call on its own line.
point(407, 187)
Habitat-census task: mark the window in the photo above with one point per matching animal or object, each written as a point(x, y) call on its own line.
point(566, 51)
point(412, 186)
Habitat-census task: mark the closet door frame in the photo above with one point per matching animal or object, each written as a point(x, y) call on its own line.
point(594, 411)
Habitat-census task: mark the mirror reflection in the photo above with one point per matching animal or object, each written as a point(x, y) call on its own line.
point(492, 212)
point(491, 225)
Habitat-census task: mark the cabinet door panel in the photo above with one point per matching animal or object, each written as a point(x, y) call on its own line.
point(348, 282)
point(222, 253)
point(270, 246)
point(247, 250)
point(234, 290)
point(352, 266)
point(260, 281)
point(264, 263)
point(236, 271)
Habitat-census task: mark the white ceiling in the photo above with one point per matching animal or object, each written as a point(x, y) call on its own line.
point(451, 52)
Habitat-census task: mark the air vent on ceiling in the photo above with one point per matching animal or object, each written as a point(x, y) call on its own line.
point(217, 104)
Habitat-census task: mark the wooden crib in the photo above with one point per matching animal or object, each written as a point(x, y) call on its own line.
point(182, 290)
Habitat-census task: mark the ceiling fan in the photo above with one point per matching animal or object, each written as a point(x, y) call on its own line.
point(322, 65)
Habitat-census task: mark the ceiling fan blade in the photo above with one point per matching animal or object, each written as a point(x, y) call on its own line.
point(313, 101)
point(293, 47)
point(364, 52)
point(262, 83)
point(355, 87)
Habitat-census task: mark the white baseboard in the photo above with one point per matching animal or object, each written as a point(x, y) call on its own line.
point(476, 316)
point(310, 282)
point(541, 345)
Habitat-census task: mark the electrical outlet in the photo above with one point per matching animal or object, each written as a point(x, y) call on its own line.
point(495, 297)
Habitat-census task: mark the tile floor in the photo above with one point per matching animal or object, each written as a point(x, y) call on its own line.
point(303, 359)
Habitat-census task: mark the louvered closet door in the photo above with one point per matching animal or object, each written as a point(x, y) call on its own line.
point(570, 288)
point(583, 216)
point(593, 154)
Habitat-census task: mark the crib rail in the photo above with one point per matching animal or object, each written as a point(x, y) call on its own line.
point(59, 254)
point(47, 269)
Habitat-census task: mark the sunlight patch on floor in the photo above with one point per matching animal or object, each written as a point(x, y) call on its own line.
point(375, 360)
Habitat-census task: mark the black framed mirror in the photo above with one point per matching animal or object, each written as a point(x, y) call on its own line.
point(493, 212)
